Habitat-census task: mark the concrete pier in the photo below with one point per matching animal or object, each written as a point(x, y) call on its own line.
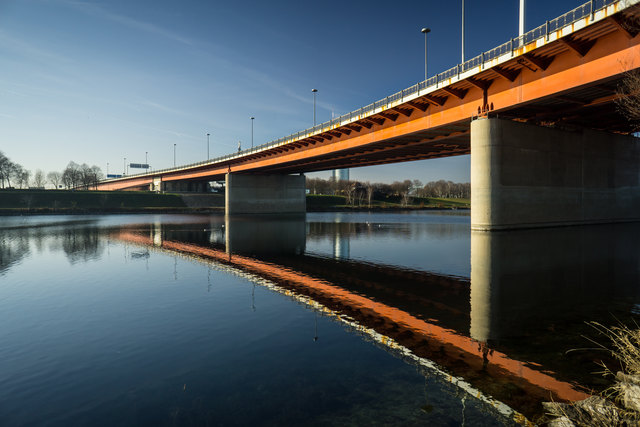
point(265, 194)
point(525, 176)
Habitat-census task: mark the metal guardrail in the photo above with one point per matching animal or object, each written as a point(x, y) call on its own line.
point(543, 31)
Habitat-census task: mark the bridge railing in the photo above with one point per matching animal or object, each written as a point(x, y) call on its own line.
point(540, 32)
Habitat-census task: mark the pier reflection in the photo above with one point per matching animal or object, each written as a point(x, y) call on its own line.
point(527, 282)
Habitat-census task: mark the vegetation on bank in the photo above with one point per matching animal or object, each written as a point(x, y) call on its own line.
point(320, 202)
point(407, 194)
point(619, 405)
point(45, 201)
point(357, 192)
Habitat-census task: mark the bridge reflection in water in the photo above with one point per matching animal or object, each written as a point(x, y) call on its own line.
point(505, 331)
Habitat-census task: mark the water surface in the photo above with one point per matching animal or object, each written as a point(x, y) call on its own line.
point(345, 318)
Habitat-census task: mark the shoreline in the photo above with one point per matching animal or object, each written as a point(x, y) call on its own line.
point(199, 210)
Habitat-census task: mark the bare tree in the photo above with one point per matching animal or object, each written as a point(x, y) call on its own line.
point(416, 185)
point(402, 189)
point(318, 186)
point(96, 176)
point(369, 188)
point(22, 176)
point(349, 189)
point(38, 179)
point(86, 176)
point(71, 176)
point(54, 178)
point(5, 170)
point(628, 101)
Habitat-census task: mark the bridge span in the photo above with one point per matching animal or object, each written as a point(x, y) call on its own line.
point(537, 114)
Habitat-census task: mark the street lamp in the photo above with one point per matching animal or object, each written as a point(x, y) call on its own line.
point(124, 166)
point(522, 16)
point(252, 118)
point(462, 32)
point(174, 155)
point(314, 105)
point(146, 157)
point(425, 31)
point(107, 168)
point(208, 147)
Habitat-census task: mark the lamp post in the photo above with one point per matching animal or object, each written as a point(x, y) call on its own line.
point(208, 147)
point(174, 155)
point(107, 168)
point(314, 105)
point(124, 166)
point(522, 22)
point(462, 32)
point(252, 118)
point(425, 31)
point(146, 157)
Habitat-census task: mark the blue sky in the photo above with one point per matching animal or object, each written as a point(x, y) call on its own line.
point(96, 81)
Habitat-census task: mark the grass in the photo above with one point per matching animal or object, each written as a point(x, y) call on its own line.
point(619, 405)
point(321, 201)
point(35, 200)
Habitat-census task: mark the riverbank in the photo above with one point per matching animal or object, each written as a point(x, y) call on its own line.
point(326, 203)
point(48, 202)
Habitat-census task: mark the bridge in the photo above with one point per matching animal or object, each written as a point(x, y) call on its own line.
point(537, 114)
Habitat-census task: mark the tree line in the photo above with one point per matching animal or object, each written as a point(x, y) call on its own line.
point(13, 175)
point(404, 191)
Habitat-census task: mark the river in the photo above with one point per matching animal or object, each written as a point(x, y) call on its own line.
point(324, 319)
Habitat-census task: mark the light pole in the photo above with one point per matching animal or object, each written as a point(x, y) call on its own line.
point(208, 147)
point(462, 32)
point(425, 31)
point(124, 166)
point(522, 15)
point(314, 105)
point(174, 155)
point(145, 157)
point(107, 168)
point(252, 118)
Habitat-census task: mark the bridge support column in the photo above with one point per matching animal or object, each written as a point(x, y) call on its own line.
point(525, 176)
point(258, 194)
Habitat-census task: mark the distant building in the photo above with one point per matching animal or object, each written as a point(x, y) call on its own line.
point(340, 175)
